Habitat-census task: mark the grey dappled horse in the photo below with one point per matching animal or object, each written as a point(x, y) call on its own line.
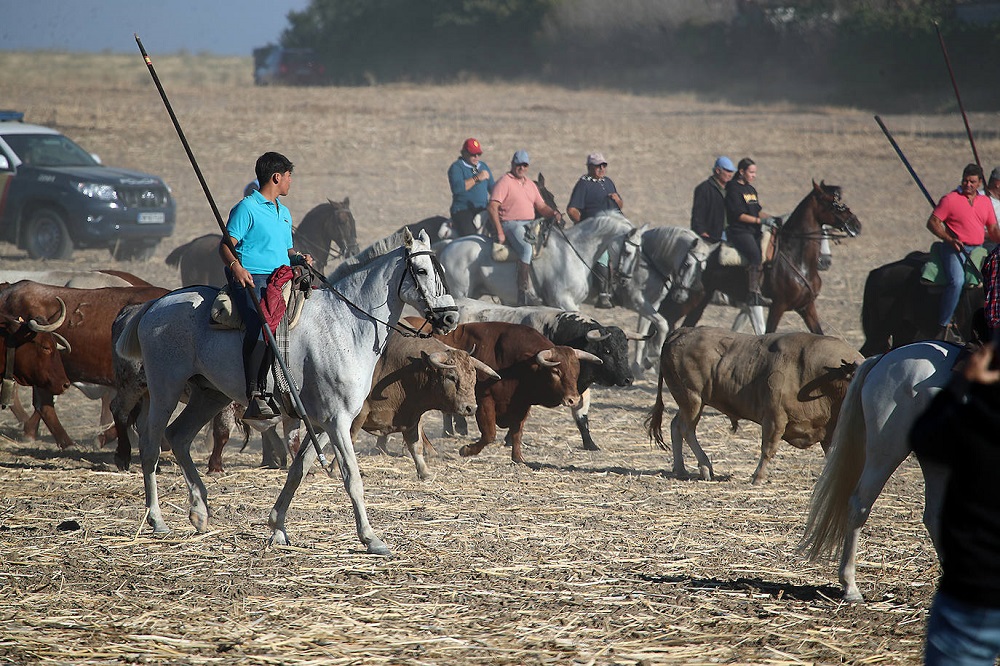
point(331, 355)
point(561, 273)
point(885, 397)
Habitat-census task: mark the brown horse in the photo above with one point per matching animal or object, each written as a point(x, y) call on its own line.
point(791, 278)
point(327, 223)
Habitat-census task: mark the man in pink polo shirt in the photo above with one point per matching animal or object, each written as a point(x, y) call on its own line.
point(961, 220)
point(514, 204)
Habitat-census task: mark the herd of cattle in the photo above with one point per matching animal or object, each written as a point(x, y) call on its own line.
point(58, 328)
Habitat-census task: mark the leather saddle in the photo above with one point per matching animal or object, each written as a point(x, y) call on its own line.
point(294, 292)
point(539, 236)
point(730, 256)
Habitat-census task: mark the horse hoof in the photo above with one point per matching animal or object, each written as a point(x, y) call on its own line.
point(280, 538)
point(591, 447)
point(199, 520)
point(378, 547)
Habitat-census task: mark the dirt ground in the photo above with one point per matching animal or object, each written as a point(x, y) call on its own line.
point(580, 557)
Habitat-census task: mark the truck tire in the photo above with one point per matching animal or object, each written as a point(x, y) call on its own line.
point(46, 236)
point(132, 251)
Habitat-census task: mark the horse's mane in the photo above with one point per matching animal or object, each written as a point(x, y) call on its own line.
point(369, 254)
point(659, 244)
point(603, 222)
point(830, 190)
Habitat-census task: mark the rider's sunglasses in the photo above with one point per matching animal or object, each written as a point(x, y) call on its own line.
point(522, 164)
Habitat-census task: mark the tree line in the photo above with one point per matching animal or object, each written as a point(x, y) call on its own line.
point(880, 53)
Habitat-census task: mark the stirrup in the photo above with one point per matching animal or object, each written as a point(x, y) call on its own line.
point(260, 408)
point(604, 302)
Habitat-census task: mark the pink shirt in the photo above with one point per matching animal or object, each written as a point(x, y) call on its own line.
point(517, 198)
point(967, 222)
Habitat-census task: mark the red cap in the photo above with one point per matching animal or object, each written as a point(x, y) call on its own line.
point(472, 147)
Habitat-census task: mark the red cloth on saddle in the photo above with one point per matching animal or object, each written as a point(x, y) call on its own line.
point(273, 305)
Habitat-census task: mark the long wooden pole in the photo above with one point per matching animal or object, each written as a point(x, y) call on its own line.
point(268, 335)
point(958, 96)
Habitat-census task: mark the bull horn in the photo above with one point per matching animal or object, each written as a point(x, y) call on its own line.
point(595, 335)
point(439, 360)
point(62, 344)
point(587, 356)
point(48, 328)
point(543, 358)
point(483, 368)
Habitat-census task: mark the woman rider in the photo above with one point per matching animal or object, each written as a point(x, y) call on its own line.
point(743, 215)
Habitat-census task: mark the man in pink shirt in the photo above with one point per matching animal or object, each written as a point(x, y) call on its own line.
point(514, 204)
point(961, 220)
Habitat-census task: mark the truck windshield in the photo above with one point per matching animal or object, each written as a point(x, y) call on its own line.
point(48, 150)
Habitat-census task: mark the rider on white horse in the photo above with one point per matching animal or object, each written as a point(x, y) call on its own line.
point(514, 205)
point(471, 182)
point(260, 230)
point(592, 195)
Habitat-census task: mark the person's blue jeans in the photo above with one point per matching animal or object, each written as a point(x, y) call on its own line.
point(953, 263)
point(959, 634)
point(514, 232)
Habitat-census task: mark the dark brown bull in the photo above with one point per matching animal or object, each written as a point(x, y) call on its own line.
point(533, 371)
point(30, 354)
point(87, 328)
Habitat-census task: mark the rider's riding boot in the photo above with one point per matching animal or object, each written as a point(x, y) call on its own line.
point(524, 295)
point(255, 368)
point(604, 298)
point(942, 333)
point(755, 274)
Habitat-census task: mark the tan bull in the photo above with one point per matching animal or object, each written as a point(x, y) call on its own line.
point(792, 384)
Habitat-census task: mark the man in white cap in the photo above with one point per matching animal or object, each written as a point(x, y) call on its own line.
point(708, 211)
point(593, 194)
point(514, 204)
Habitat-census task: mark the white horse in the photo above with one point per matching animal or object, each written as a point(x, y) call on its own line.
point(331, 356)
point(672, 259)
point(561, 273)
point(871, 439)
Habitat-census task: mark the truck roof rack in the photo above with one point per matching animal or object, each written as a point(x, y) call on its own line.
point(6, 114)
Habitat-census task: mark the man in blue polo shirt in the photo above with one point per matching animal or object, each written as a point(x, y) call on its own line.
point(471, 182)
point(260, 229)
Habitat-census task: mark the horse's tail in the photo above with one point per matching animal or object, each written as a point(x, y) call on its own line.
point(654, 422)
point(826, 525)
point(127, 345)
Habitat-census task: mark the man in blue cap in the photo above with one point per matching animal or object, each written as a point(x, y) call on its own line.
point(708, 211)
point(514, 204)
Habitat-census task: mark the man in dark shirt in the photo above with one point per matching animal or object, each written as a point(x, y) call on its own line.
point(708, 211)
point(959, 430)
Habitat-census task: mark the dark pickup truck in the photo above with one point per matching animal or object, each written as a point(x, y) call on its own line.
point(55, 196)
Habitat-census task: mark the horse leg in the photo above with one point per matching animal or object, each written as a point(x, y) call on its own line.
point(580, 412)
point(157, 415)
point(809, 316)
point(486, 419)
point(202, 407)
point(296, 472)
point(340, 437)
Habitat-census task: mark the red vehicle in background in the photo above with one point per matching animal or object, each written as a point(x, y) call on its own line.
point(276, 65)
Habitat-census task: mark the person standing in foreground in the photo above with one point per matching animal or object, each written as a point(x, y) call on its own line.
point(743, 214)
point(260, 229)
point(961, 220)
point(593, 194)
point(959, 430)
point(471, 182)
point(514, 204)
point(708, 210)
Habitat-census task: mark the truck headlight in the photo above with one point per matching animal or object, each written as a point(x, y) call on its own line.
point(97, 191)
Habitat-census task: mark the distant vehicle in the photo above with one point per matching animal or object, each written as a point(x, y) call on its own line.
point(276, 65)
point(55, 196)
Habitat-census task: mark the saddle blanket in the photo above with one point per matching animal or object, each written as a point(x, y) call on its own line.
point(730, 256)
point(933, 272)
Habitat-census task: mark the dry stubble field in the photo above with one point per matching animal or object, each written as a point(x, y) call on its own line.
point(591, 558)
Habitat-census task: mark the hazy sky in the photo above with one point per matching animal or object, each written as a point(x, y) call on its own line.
point(226, 27)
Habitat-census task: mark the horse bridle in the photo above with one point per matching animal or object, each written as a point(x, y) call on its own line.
point(412, 271)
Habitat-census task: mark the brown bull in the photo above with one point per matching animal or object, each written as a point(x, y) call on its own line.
point(30, 355)
point(532, 370)
point(87, 328)
point(792, 384)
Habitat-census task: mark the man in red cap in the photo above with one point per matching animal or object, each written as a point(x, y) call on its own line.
point(471, 183)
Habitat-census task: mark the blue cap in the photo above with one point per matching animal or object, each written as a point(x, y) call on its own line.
point(725, 164)
point(520, 157)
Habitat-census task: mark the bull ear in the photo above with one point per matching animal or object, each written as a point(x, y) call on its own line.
point(541, 179)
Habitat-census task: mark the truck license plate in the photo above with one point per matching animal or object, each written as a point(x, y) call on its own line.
point(152, 218)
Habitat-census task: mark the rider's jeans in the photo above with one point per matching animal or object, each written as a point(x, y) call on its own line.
point(953, 264)
point(514, 231)
point(960, 634)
